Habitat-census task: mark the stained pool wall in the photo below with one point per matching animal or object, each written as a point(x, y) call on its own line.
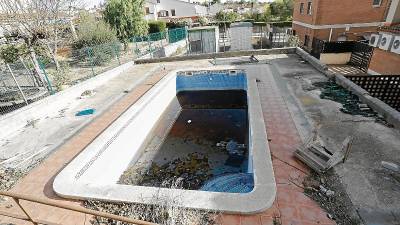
point(216, 80)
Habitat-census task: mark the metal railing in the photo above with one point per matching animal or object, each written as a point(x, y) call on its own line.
point(27, 217)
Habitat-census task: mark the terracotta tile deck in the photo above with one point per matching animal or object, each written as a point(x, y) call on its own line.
point(291, 206)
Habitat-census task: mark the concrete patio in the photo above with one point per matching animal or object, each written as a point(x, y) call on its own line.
point(292, 110)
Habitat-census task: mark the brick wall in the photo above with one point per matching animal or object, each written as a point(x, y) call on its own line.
point(384, 62)
point(350, 11)
point(329, 12)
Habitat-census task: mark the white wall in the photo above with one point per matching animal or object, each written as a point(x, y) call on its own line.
point(182, 9)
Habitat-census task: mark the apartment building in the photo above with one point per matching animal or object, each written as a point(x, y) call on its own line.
point(338, 20)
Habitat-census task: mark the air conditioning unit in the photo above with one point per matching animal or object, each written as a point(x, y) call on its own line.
point(374, 40)
point(396, 45)
point(386, 41)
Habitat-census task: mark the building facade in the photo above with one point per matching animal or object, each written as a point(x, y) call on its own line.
point(170, 9)
point(337, 20)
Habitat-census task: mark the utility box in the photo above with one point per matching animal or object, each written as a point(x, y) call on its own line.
point(241, 34)
point(203, 40)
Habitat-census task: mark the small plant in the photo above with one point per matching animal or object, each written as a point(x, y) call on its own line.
point(61, 77)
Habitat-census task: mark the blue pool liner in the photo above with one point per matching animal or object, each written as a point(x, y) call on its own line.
point(211, 81)
point(231, 183)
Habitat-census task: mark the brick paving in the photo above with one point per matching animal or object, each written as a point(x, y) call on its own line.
point(291, 206)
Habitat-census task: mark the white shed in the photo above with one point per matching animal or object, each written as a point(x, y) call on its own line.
point(241, 34)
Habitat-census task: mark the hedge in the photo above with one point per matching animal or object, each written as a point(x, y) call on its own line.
point(157, 26)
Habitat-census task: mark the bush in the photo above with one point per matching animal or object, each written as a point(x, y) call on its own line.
point(100, 54)
point(92, 32)
point(61, 77)
point(11, 53)
point(157, 26)
point(179, 23)
point(203, 21)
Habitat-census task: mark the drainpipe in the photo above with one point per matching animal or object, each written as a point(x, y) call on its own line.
point(330, 35)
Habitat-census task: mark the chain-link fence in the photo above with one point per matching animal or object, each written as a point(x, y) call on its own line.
point(20, 85)
point(152, 45)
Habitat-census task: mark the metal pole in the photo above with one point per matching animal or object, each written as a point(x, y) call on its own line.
point(46, 77)
point(75, 208)
point(225, 33)
point(15, 80)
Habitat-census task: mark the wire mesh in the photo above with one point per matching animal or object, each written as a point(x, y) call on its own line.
point(19, 85)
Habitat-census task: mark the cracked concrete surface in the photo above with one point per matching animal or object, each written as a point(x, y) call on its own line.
point(374, 191)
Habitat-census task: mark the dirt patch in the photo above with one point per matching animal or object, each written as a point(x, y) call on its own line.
point(328, 191)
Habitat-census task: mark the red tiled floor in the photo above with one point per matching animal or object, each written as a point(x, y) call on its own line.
point(293, 207)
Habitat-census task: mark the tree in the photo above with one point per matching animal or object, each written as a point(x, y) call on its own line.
point(222, 16)
point(282, 10)
point(38, 23)
point(93, 32)
point(126, 17)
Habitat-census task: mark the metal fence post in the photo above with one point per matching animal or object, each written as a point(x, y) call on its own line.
point(15, 80)
point(89, 53)
point(116, 52)
point(46, 77)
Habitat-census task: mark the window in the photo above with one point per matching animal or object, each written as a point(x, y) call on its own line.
point(309, 8)
point(158, 1)
point(376, 3)
point(302, 8)
point(163, 13)
point(294, 32)
point(306, 40)
point(172, 12)
point(147, 10)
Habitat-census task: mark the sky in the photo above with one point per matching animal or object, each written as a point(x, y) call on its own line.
point(91, 3)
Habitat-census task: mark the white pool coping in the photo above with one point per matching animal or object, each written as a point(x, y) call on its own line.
point(94, 173)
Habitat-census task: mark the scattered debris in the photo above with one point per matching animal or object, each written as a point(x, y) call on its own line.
point(321, 159)
point(9, 177)
point(87, 94)
point(232, 147)
point(31, 123)
point(390, 166)
point(332, 197)
point(166, 213)
point(350, 102)
point(85, 112)
point(194, 169)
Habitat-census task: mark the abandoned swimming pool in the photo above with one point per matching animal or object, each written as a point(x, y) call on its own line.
point(196, 135)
